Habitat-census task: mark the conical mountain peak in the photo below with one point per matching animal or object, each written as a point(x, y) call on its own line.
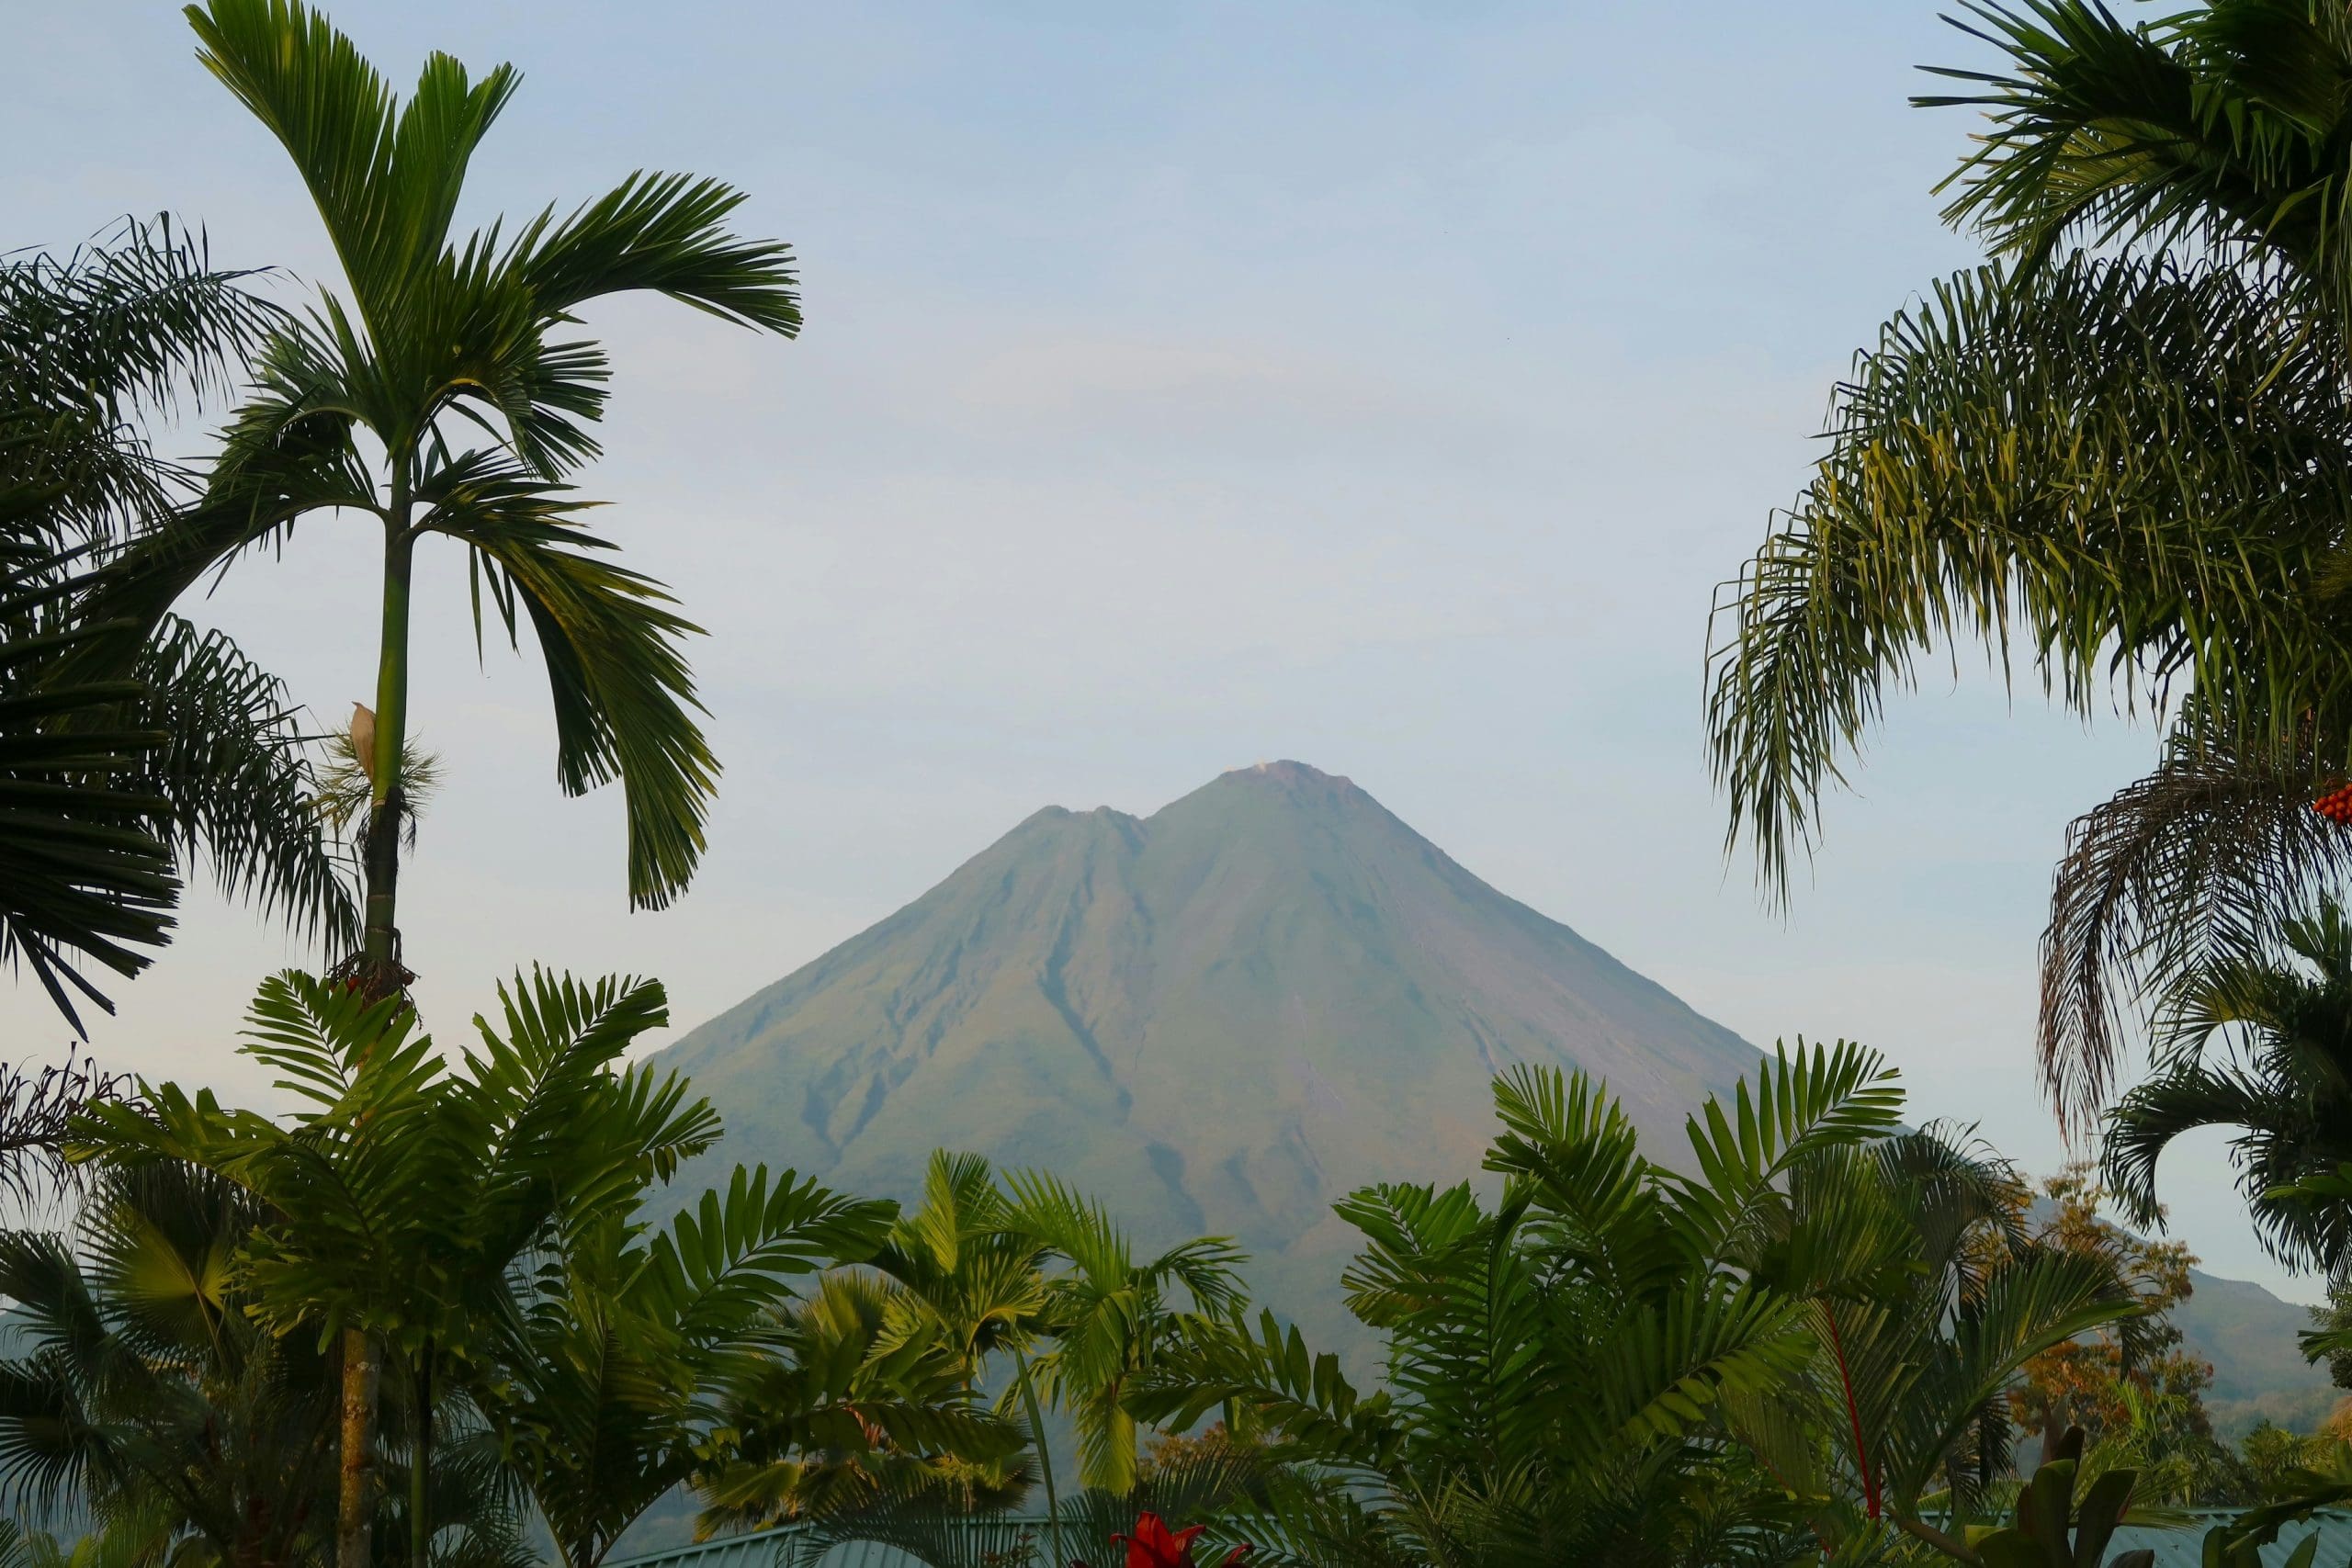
point(1220, 1016)
point(1296, 785)
point(1290, 775)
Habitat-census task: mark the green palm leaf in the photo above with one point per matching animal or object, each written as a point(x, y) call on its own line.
point(128, 747)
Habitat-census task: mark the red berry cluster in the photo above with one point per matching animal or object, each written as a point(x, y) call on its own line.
point(2337, 807)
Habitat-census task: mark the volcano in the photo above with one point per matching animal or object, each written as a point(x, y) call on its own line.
point(1218, 1019)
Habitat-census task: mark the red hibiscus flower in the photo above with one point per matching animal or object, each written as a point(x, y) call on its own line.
point(1154, 1545)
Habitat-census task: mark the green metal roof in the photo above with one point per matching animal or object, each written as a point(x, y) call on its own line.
point(764, 1549)
point(756, 1550)
point(2185, 1548)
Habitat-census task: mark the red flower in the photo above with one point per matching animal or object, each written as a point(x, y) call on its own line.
point(1154, 1545)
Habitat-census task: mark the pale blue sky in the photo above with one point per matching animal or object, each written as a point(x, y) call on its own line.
point(1185, 385)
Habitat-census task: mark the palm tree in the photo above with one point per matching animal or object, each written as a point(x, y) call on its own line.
point(1770, 1358)
point(443, 398)
point(2124, 450)
point(138, 1388)
point(633, 1358)
point(448, 360)
point(116, 771)
point(967, 1277)
point(984, 1270)
point(1553, 1360)
point(1926, 1299)
point(965, 1273)
point(416, 1208)
point(1109, 1315)
point(855, 1401)
point(141, 1394)
point(487, 1228)
point(2264, 1048)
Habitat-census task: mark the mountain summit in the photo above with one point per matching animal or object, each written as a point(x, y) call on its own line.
point(1218, 1019)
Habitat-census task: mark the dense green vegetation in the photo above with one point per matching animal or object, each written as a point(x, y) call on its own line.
point(2120, 446)
point(1827, 1342)
point(474, 1308)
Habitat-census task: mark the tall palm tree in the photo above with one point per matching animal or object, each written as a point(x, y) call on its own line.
point(118, 772)
point(2265, 1049)
point(2121, 453)
point(443, 396)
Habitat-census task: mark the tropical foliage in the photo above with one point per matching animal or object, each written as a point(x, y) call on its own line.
point(441, 397)
point(2262, 1048)
point(1018, 1279)
point(2120, 451)
point(1614, 1362)
point(128, 752)
point(138, 1388)
point(481, 1233)
point(2134, 1388)
point(1813, 1344)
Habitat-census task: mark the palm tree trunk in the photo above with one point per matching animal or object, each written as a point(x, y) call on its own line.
point(362, 1365)
point(380, 973)
point(381, 949)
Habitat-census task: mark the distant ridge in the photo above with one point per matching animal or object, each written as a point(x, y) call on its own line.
point(1218, 1018)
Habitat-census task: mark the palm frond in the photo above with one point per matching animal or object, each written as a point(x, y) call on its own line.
point(2134, 467)
point(97, 341)
point(624, 697)
point(37, 1111)
point(2188, 867)
point(235, 772)
point(386, 180)
point(666, 233)
point(2208, 129)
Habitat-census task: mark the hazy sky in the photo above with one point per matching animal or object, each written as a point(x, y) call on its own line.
point(1385, 386)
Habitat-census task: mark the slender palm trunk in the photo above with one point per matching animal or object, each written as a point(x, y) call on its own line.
point(1044, 1457)
point(362, 1366)
point(1853, 1414)
point(383, 860)
point(380, 973)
